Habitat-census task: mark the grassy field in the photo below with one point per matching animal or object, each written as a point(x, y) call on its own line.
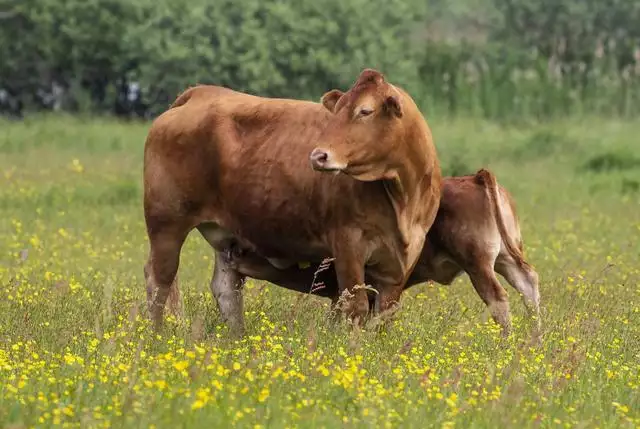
point(77, 351)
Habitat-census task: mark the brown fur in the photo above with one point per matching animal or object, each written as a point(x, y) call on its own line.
point(470, 217)
point(236, 167)
point(489, 181)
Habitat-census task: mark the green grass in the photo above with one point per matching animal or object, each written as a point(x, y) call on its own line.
point(76, 349)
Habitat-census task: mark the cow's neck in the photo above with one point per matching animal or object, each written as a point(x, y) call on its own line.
point(414, 176)
point(401, 197)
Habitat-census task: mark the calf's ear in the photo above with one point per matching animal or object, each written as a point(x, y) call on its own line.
point(393, 106)
point(330, 99)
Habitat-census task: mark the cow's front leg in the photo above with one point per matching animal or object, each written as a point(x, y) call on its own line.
point(388, 299)
point(352, 300)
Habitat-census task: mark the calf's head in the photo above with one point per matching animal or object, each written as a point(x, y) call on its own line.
point(369, 124)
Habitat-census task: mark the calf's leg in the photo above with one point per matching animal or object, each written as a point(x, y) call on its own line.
point(524, 279)
point(492, 293)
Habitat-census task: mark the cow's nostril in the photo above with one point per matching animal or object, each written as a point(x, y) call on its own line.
point(319, 157)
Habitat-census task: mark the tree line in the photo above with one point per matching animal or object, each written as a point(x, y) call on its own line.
point(493, 58)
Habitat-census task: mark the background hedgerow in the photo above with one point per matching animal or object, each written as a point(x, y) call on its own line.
point(495, 58)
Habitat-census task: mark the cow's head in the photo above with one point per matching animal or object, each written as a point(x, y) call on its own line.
point(368, 125)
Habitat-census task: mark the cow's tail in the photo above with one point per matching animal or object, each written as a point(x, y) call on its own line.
point(182, 99)
point(488, 180)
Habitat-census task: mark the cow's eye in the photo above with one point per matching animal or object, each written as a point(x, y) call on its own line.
point(365, 111)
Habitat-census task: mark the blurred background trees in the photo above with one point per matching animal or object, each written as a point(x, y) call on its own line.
point(493, 58)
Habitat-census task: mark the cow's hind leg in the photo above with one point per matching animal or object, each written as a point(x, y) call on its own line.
point(524, 279)
point(492, 293)
point(226, 287)
point(161, 269)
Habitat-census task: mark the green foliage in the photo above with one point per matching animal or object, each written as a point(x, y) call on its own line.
point(496, 58)
point(77, 43)
point(284, 48)
point(573, 32)
point(612, 161)
point(587, 52)
point(287, 48)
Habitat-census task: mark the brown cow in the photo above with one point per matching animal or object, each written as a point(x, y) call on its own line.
point(476, 231)
point(236, 167)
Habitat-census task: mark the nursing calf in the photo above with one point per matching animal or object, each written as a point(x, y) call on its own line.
point(476, 231)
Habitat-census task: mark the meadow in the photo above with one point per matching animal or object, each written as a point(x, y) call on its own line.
point(77, 351)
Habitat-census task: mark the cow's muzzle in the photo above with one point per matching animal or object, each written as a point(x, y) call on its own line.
point(322, 160)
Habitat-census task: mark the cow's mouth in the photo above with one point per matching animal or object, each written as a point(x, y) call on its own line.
point(334, 170)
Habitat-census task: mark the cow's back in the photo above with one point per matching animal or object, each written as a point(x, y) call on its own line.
point(242, 162)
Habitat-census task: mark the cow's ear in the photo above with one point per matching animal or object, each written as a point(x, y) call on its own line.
point(329, 99)
point(392, 105)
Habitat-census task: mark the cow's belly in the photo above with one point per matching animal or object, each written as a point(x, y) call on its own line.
point(285, 240)
point(280, 251)
point(276, 211)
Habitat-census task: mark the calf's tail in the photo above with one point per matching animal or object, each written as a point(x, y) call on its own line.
point(488, 180)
